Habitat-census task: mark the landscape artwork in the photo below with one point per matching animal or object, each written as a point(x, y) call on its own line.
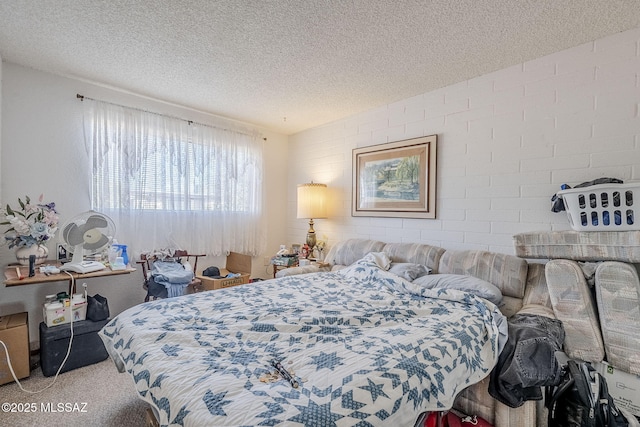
point(395, 179)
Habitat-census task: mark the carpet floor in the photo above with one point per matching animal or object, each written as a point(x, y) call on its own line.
point(95, 395)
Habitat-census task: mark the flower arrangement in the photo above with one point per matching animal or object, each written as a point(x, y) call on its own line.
point(320, 245)
point(31, 224)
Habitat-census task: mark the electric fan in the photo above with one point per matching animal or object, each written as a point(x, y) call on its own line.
point(89, 232)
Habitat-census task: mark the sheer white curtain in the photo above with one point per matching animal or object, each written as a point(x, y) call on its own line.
point(167, 182)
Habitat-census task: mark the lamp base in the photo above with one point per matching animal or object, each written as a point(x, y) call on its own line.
point(311, 236)
point(311, 240)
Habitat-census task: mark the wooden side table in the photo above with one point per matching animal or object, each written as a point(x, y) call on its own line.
point(277, 268)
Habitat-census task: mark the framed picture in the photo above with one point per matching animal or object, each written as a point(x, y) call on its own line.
point(295, 248)
point(396, 180)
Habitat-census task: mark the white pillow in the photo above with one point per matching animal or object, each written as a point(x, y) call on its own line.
point(408, 270)
point(471, 284)
point(378, 258)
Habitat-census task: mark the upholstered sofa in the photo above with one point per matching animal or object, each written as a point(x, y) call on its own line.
point(522, 284)
point(594, 290)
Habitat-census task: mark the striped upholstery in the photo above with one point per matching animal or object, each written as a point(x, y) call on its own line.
point(536, 294)
point(415, 253)
point(580, 245)
point(536, 291)
point(507, 272)
point(618, 296)
point(529, 414)
point(612, 326)
point(350, 251)
point(476, 400)
point(570, 295)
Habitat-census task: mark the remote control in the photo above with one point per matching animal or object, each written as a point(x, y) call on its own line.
point(32, 265)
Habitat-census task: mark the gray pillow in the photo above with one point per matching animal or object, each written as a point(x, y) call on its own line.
point(471, 284)
point(408, 270)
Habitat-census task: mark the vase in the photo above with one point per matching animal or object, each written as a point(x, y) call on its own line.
point(40, 251)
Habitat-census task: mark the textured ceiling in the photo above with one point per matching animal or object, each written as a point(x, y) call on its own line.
point(311, 61)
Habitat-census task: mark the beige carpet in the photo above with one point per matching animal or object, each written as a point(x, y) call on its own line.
point(109, 396)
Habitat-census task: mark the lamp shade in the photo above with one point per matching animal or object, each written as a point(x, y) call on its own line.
point(312, 200)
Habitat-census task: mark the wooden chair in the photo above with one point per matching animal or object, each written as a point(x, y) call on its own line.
point(146, 261)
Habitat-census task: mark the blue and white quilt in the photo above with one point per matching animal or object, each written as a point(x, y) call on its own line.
point(367, 348)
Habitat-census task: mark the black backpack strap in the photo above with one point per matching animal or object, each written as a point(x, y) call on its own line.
point(554, 393)
point(583, 385)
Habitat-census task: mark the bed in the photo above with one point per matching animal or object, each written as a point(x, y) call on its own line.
point(366, 347)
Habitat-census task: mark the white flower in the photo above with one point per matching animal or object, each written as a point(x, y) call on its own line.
point(21, 226)
point(39, 229)
point(31, 224)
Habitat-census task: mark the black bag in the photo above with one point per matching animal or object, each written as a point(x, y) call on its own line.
point(97, 308)
point(582, 400)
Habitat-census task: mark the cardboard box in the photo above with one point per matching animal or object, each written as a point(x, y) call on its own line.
point(236, 263)
point(14, 332)
point(624, 388)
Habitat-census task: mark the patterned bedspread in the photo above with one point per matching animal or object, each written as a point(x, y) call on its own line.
point(366, 347)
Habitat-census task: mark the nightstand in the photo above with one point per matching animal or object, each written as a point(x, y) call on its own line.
point(277, 268)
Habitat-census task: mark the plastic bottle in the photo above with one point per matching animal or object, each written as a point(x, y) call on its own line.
point(124, 255)
point(122, 249)
point(79, 313)
point(53, 313)
point(112, 254)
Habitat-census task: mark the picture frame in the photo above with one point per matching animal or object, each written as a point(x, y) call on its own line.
point(62, 253)
point(396, 180)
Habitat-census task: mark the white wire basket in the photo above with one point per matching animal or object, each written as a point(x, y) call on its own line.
point(603, 207)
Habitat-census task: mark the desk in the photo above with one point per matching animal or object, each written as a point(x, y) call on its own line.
point(11, 276)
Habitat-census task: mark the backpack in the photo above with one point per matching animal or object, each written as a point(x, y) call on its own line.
point(582, 399)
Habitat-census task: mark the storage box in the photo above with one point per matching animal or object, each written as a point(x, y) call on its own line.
point(285, 261)
point(14, 332)
point(54, 316)
point(236, 263)
point(624, 388)
point(86, 349)
point(603, 207)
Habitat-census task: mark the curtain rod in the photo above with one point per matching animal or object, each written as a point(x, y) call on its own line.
point(82, 98)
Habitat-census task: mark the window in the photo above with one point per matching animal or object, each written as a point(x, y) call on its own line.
point(168, 182)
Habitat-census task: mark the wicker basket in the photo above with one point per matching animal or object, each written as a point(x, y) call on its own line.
point(603, 207)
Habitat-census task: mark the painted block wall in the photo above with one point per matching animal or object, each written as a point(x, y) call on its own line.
point(506, 142)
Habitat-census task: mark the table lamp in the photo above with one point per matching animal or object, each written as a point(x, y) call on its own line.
point(312, 203)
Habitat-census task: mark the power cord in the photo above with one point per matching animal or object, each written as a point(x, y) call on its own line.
point(6, 350)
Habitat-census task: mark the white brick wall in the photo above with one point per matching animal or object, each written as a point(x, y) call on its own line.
point(506, 142)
